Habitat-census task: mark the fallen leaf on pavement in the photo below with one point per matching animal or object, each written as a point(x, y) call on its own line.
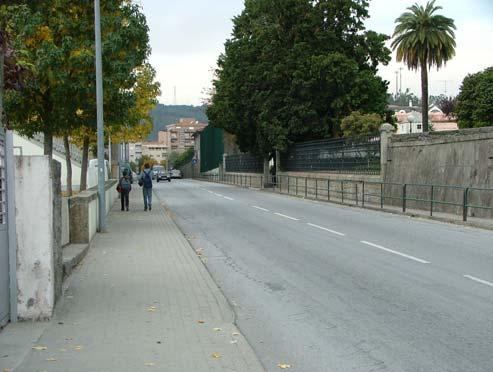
point(78, 348)
point(218, 329)
point(51, 360)
point(216, 355)
point(39, 348)
point(284, 366)
point(200, 321)
point(235, 334)
point(149, 364)
point(233, 341)
point(152, 309)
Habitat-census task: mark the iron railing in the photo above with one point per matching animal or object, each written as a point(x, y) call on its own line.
point(343, 155)
point(459, 200)
point(244, 163)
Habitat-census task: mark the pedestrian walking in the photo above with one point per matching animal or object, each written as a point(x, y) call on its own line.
point(145, 180)
point(124, 187)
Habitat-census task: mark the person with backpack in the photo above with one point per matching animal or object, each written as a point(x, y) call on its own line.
point(145, 181)
point(124, 188)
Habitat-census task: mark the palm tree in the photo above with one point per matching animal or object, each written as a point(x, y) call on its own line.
point(423, 39)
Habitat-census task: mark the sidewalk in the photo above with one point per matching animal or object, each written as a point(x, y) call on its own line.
point(141, 300)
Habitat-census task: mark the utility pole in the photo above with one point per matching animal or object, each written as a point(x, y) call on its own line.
point(400, 79)
point(100, 122)
point(396, 83)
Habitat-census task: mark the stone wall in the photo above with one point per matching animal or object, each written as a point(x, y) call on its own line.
point(461, 158)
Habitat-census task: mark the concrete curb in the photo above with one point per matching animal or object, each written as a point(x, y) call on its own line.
point(73, 254)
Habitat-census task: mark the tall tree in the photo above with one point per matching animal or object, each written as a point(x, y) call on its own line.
point(293, 69)
point(424, 39)
point(475, 100)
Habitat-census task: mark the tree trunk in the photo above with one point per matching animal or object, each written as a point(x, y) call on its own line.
point(48, 143)
point(424, 95)
point(68, 160)
point(84, 166)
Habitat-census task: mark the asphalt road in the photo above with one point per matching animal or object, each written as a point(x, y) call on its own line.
point(327, 288)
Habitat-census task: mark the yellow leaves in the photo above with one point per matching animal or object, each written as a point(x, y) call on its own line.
point(284, 366)
point(39, 348)
point(78, 348)
point(152, 309)
point(216, 356)
point(79, 112)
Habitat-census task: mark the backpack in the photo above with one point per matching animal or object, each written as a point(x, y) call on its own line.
point(125, 184)
point(147, 180)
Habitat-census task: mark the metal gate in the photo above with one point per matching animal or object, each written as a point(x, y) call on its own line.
point(4, 246)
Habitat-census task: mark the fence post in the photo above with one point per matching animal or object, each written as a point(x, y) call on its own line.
point(316, 188)
point(306, 187)
point(356, 193)
point(328, 189)
point(381, 195)
point(386, 131)
point(404, 197)
point(288, 183)
point(363, 194)
point(296, 179)
point(342, 192)
point(432, 196)
point(465, 202)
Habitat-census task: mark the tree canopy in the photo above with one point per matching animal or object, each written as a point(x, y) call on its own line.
point(358, 124)
point(293, 69)
point(475, 100)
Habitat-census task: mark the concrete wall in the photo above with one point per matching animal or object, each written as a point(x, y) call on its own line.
point(33, 149)
point(65, 222)
point(462, 158)
point(38, 231)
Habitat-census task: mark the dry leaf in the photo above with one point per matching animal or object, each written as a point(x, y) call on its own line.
point(78, 348)
point(51, 360)
point(152, 309)
point(216, 355)
point(149, 364)
point(39, 348)
point(68, 338)
point(284, 366)
point(233, 341)
point(200, 321)
point(235, 334)
point(218, 329)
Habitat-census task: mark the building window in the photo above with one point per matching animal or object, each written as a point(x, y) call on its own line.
point(420, 126)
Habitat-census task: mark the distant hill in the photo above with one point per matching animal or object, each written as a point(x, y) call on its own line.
point(164, 115)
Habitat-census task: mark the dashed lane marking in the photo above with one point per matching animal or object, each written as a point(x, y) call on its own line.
point(325, 229)
point(395, 252)
point(260, 208)
point(288, 217)
point(479, 280)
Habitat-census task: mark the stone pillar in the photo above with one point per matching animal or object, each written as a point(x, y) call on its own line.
point(278, 162)
point(267, 182)
point(386, 132)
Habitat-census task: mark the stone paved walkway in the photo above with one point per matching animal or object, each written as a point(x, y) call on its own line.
point(141, 301)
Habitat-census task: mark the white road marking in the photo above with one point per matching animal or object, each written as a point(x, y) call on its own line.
point(395, 252)
point(325, 229)
point(260, 208)
point(210, 192)
point(288, 217)
point(479, 280)
point(228, 198)
point(218, 195)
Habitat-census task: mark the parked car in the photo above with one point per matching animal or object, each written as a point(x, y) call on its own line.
point(162, 174)
point(176, 173)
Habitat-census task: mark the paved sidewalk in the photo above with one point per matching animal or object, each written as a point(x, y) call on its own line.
point(141, 300)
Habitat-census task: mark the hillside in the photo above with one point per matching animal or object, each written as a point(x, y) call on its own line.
point(164, 115)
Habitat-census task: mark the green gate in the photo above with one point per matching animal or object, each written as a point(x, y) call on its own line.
point(211, 148)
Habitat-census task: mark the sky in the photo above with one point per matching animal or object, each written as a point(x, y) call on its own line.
point(187, 36)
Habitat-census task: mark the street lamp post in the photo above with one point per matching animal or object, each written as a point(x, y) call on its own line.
point(100, 122)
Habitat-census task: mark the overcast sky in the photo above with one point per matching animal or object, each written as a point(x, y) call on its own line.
point(187, 36)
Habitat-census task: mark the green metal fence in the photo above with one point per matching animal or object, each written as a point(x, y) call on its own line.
point(460, 200)
point(211, 148)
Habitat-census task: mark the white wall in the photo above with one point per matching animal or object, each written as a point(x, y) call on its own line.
point(65, 222)
point(34, 228)
point(33, 149)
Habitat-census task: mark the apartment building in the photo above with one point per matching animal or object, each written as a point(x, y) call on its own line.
point(179, 137)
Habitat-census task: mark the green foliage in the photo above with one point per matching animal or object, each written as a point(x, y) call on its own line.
point(172, 157)
point(403, 98)
point(163, 115)
point(184, 158)
point(357, 124)
point(424, 39)
point(293, 69)
point(475, 100)
point(56, 39)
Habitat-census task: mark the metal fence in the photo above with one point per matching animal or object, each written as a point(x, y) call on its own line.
point(343, 155)
point(459, 200)
point(244, 163)
point(211, 148)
